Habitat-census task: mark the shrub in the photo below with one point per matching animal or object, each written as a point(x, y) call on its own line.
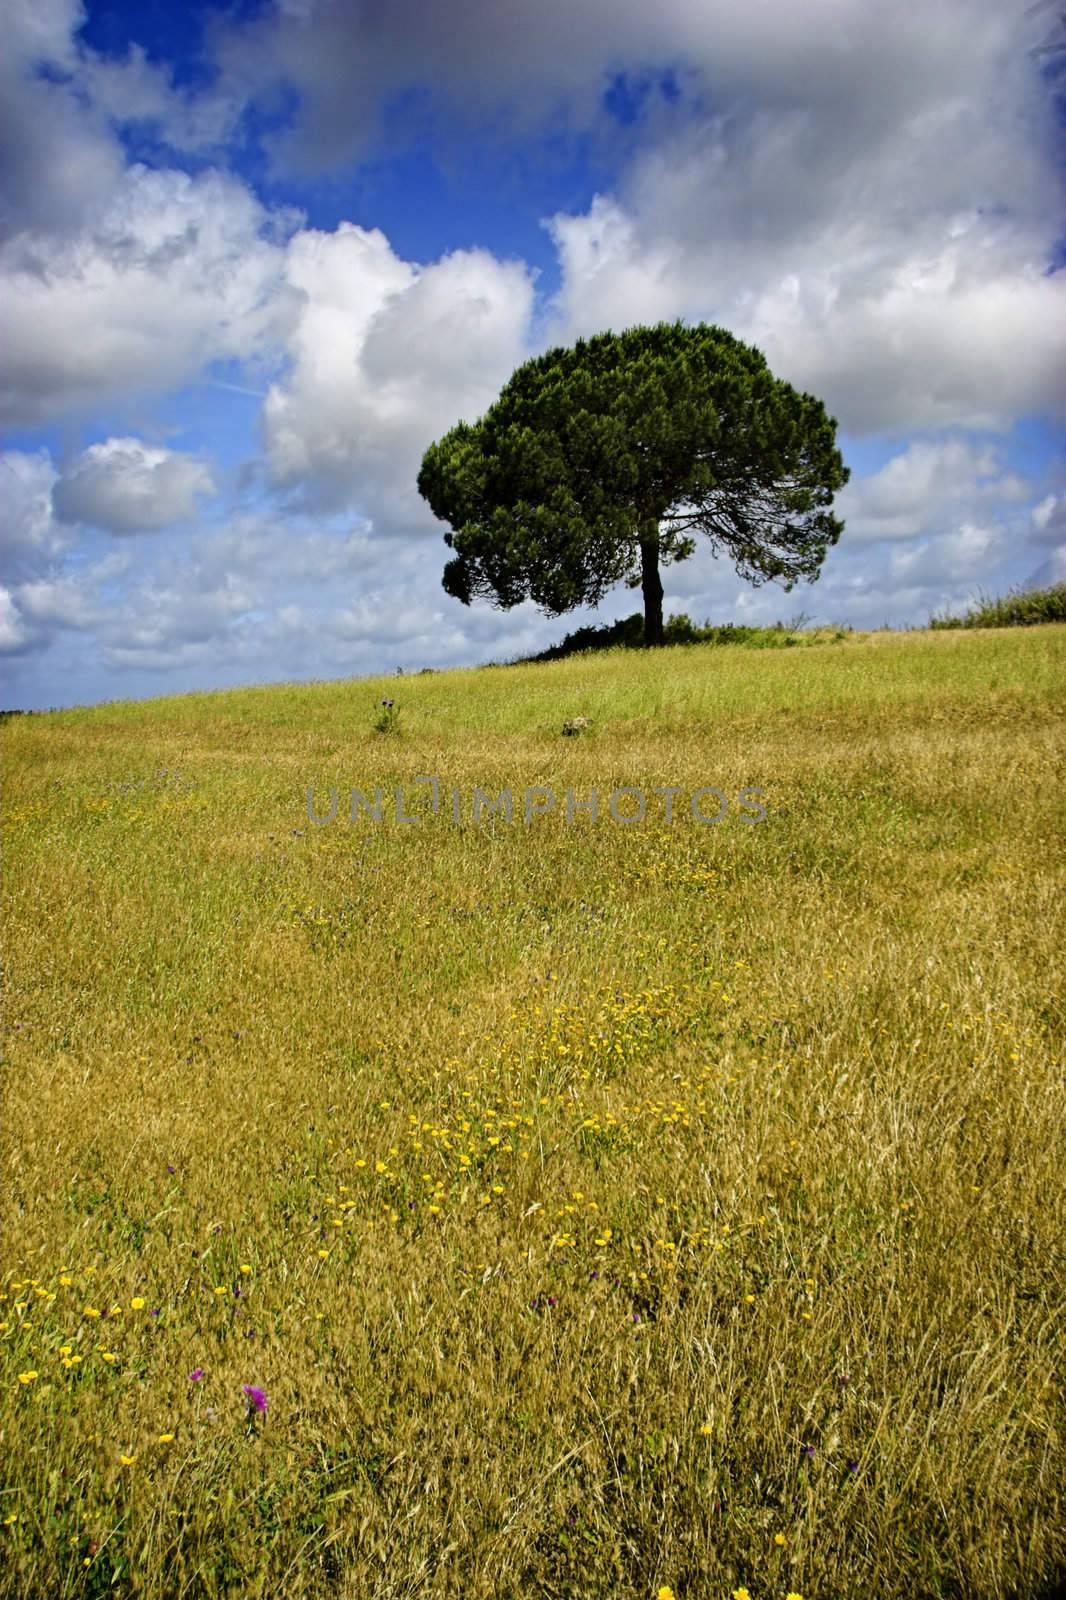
point(1019, 608)
point(628, 634)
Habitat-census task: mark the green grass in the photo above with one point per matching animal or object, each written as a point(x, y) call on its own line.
point(604, 1201)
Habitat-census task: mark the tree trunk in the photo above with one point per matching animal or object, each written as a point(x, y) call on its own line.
point(651, 584)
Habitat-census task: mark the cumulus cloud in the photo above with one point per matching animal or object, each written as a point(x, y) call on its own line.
point(57, 160)
point(134, 89)
point(31, 537)
point(64, 602)
point(881, 226)
point(1049, 520)
point(63, 107)
point(386, 355)
point(893, 330)
point(508, 66)
point(15, 636)
point(175, 273)
point(284, 600)
point(967, 553)
point(127, 486)
point(34, 612)
point(927, 488)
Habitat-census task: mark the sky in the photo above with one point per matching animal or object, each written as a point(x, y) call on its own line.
point(255, 258)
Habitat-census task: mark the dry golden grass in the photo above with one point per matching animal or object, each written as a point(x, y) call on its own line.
point(600, 1208)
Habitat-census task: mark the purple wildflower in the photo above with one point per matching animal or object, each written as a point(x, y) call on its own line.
point(257, 1400)
point(196, 1374)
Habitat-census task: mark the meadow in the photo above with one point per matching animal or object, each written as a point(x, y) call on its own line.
point(551, 1209)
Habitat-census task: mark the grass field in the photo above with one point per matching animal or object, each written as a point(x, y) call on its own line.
point(600, 1209)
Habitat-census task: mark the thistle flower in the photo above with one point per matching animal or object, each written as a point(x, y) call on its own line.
point(257, 1400)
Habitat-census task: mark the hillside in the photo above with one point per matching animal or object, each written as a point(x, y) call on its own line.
point(598, 1206)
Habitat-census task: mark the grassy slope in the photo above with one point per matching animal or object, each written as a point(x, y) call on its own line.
point(577, 1181)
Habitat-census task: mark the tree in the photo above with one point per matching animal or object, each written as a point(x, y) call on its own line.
point(596, 464)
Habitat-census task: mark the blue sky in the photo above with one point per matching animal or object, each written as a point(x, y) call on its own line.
point(255, 258)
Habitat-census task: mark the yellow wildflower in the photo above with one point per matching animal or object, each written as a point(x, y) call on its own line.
point(27, 1377)
point(136, 1304)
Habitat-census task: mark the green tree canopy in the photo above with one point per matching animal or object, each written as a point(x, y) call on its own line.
point(598, 463)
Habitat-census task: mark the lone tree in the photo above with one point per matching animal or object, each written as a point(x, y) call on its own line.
point(597, 462)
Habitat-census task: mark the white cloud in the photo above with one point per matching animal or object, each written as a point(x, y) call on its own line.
point(507, 66)
point(14, 634)
point(127, 486)
point(64, 602)
point(1049, 520)
point(386, 356)
point(880, 224)
point(175, 273)
point(31, 538)
point(969, 552)
point(61, 156)
point(927, 488)
point(135, 89)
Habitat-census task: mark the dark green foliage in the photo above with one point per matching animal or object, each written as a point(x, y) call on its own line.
point(628, 633)
point(598, 463)
point(1020, 608)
